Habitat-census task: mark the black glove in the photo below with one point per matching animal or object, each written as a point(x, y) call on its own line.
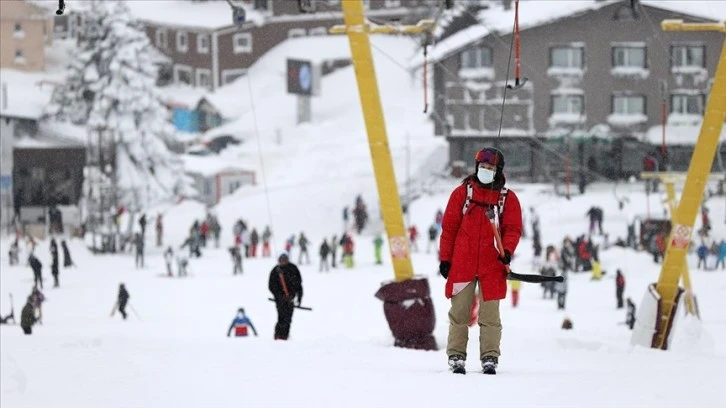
point(506, 258)
point(444, 268)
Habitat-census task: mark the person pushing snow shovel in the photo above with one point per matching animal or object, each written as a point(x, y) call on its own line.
point(468, 255)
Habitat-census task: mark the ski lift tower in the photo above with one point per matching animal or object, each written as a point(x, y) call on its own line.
point(659, 309)
point(412, 324)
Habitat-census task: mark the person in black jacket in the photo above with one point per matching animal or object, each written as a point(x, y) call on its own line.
point(27, 316)
point(285, 285)
point(54, 265)
point(123, 299)
point(67, 260)
point(37, 269)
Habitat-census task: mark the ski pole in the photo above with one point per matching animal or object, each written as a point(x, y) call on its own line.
point(135, 314)
point(517, 276)
point(295, 306)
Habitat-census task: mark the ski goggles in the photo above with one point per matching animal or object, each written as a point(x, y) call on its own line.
point(487, 156)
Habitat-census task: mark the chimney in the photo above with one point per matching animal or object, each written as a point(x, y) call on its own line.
point(507, 4)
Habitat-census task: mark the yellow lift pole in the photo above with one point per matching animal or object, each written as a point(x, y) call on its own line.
point(698, 170)
point(357, 29)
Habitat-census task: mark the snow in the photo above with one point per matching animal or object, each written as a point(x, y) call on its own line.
point(341, 352)
point(684, 118)
point(683, 134)
point(621, 119)
point(571, 118)
point(182, 95)
point(566, 71)
point(477, 73)
point(207, 15)
point(26, 94)
point(205, 167)
point(630, 72)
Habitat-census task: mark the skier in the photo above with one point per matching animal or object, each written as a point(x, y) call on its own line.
point(159, 230)
point(27, 317)
point(439, 219)
point(54, 263)
point(14, 253)
point(346, 241)
point(561, 289)
point(630, 316)
point(534, 219)
point(468, 255)
point(266, 234)
point(721, 255)
point(345, 217)
point(236, 259)
point(142, 224)
point(169, 258)
point(333, 250)
point(122, 300)
point(619, 287)
point(289, 243)
point(413, 236)
point(241, 322)
point(182, 261)
point(303, 243)
point(324, 252)
point(139, 245)
point(515, 285)
point(377, 248)
point(254, 241)
point(595, 214)
point(67, 260)
point(37, 269)
point(286, 285)
point(216, 230)
point(433, 234)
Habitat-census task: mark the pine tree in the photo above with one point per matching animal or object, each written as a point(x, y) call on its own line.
point(111, 85)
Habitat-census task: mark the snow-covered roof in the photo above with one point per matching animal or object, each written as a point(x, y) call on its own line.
point(678, 135)
point(207, 15)
point(232, 100)
point(209, 165)
point(182, 95)
point(496, 19)
point(54, 135)
point(27, 94)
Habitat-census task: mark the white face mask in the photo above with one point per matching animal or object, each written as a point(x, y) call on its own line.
point(485, 176)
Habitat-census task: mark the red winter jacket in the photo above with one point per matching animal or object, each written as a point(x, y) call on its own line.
point(467, 241)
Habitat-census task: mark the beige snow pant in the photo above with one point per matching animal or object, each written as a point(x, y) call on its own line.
point(490, 325)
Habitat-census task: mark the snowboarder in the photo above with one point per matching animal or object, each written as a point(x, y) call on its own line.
point(139, 245)
point(286, 285)
point(377, 248)
point(159, 230)
point(466, 260)
point(27, 317)
point(619, 287)
point(324, 252)
point(67, 260)
point(122, 300)
point(169, 258)
point(54, 262)
point(433, 234)
point(236, 254)
point(266, 235)
point(303, 243)
point(37, 267)
point(241, 322)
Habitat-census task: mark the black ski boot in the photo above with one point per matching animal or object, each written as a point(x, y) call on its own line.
point(457, 364)
point(489, 364)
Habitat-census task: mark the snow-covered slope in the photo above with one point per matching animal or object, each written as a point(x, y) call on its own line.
point(175, 353)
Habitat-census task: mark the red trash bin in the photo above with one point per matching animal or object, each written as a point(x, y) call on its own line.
point(410, 313)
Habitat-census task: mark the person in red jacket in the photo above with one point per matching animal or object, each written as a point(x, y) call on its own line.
point(468, 256)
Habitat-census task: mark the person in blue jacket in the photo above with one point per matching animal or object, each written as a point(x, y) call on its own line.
point(240, 325)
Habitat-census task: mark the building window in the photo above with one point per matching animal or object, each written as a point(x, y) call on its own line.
point(687, 104)
point(183, 74)
point(261, 5)
point(690, 56)
point(242, 43)
point(230, 75)
point(476, 57)
point(628, 105)
point(393, 3)
point(18, 32)
point(318, 31)
point(203, 43)
point(162, 39)
point(204, 78)
point(629, 57)
point(295, 32)
point(182, 42)
point(567, 57)
point(20, 57)
point(568, 104)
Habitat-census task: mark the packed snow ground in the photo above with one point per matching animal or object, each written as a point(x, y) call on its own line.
point(340, 354)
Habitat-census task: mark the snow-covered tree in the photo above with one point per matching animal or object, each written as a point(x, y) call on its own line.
point(111, 86)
